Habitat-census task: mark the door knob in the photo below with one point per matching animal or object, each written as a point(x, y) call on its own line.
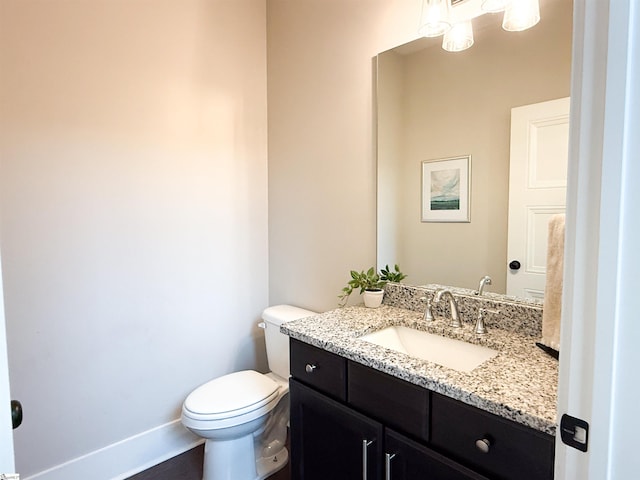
point(514, 265)
point(16, 413)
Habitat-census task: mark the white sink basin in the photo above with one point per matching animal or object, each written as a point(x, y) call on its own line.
point(450, 353)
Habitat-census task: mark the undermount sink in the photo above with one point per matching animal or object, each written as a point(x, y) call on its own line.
point(450, 353)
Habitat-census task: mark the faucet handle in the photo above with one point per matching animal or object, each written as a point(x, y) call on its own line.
point(428, 313)
point(480, 324)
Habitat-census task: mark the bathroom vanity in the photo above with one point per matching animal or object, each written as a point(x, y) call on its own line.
point(360, 410)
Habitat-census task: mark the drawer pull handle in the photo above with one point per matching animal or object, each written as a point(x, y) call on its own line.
point(387, 465)
point(484, 445)
point(310, 367)
point(365, 447)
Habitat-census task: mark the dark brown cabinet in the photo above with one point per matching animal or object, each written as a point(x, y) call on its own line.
point(322, 370)
point(330, 440)
point(488, 443)
point(405, 459)
point(398, 404)
point(353, 422)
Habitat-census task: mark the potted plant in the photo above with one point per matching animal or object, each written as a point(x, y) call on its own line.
point(371, 285)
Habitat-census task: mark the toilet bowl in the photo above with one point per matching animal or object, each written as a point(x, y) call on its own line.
point(243, 416)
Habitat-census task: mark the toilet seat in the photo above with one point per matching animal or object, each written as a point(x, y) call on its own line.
point(232, 399)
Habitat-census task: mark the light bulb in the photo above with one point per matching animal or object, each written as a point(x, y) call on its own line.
point(435, 18)
point(459, 38)
point(520, 15)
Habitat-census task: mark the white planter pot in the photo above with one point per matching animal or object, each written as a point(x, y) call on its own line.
point(373, 298)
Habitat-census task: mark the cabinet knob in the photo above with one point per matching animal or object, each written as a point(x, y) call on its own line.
point(309, 368)
point(514, 265)
point(483, 445)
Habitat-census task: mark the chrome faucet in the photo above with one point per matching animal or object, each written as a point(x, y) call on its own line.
point(486, 280)
point(455, 314)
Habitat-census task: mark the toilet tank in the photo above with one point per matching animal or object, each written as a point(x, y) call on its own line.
point(278, 343)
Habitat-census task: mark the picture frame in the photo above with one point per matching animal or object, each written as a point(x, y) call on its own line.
point(446, 189)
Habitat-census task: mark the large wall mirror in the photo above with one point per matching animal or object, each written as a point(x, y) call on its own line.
point(433, 104)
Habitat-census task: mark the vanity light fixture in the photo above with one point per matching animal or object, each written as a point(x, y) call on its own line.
point(459, 37)
point(493, 6)
point(452, 18)
point(435, 18)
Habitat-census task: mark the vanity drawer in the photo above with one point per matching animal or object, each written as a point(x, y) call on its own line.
point(397, 403)
point(325, 371)
point(514, 451)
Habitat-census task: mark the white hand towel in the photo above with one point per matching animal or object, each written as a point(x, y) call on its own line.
point(552, 309)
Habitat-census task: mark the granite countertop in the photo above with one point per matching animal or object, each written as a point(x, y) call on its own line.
point(519, 384)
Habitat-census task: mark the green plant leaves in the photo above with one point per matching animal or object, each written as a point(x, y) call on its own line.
point(370, 280)
point(392, 276)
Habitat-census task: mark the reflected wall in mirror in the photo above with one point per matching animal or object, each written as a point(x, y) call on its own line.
point(436, 104)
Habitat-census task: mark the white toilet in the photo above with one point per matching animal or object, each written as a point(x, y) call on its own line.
point(243, 415)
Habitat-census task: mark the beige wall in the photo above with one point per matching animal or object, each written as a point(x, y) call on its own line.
point(460, 104)
point(133, 183)
point(322, 169)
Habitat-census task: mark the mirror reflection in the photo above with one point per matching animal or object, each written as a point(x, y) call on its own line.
point(433, 104)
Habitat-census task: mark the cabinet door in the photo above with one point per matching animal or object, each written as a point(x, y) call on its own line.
point(331, 441)
point(322, 370)
point(405, 459)
point(499, 448)
point(395, 403)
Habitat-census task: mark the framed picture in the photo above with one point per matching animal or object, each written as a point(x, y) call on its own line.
point(446, 189)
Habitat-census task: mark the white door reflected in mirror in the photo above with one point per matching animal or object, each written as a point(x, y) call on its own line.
point(537, 190)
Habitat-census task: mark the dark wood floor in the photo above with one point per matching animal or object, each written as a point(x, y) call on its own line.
point(188, 466)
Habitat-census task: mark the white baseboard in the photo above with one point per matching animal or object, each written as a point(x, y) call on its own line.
point(126, 457)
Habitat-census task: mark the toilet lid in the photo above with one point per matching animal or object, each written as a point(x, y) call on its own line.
point(232, 394)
